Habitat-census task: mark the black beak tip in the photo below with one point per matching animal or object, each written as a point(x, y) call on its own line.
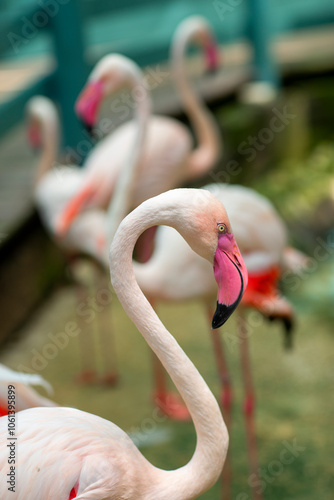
point(87, 127)
point(222, 314)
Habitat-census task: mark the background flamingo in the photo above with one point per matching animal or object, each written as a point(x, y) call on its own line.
point(55, 184)
point(167, 156)
point(88, 457)
point(25, 396)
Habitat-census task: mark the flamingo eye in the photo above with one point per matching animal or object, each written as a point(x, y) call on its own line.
point(222, 229)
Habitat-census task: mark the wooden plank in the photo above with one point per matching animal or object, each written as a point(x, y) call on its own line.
point(11, 112)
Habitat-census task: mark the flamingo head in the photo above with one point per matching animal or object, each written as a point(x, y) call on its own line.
point(41, 120)
point(88, 103)
point(204, 224)
point(197, 30)
point(230, 274)
point(110, 74)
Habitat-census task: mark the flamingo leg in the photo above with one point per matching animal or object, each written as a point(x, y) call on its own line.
point(225, 402)
point(107, 341)
point(249, 405)
point(168, 402)
point(87, 373)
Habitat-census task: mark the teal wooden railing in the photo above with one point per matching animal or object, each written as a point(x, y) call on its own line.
point(78, 32)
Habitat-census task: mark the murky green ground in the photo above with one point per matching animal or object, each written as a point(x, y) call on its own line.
point(295, 404)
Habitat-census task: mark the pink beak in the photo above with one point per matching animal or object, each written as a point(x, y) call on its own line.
point(212, 56)
point(34, 136)
point(231, 276)
point(88, 103)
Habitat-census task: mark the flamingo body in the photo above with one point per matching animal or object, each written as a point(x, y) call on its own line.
point(161, 167)
point(72, 449)
point(57, 184)
point(65, 452)
point(51, 195)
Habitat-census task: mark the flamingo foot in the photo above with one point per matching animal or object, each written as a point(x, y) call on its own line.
point(86, 377)
point(110, 379)
point(172, 406)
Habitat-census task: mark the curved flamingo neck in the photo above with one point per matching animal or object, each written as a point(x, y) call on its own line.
point(204, 468)
point(49, 124)
point(207, 133)
point(120, 202)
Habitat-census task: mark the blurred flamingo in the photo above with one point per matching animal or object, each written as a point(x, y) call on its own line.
point(25, 396)
point(88, 457)
point(164, 146)
point(55, 184)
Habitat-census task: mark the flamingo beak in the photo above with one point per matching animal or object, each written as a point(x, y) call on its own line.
point(34, 137)
point(231, 276)
point(211, 57)
point(88, 103)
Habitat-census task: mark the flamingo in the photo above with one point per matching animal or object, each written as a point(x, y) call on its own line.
point(25, 396)
point(175, 273)
point(262, 238)
point(167, 155)
point(87, 457)
point(54, 185)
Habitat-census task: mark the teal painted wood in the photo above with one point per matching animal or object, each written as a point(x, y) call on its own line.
point(261, 26)
point(72, 71)
point(17, 31)
point(130, 25)
point(141, 29)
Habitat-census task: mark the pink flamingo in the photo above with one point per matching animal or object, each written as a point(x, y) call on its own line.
point(167, 156)
point(175, 273)
point(262, 239)
point(88, 457)
point(25, 396)
point(55, 184)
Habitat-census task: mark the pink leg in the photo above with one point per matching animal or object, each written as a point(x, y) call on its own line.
point(107, 341)
point(87, 374)
point(225, 402)
point(169, 403)
point(249, 404)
